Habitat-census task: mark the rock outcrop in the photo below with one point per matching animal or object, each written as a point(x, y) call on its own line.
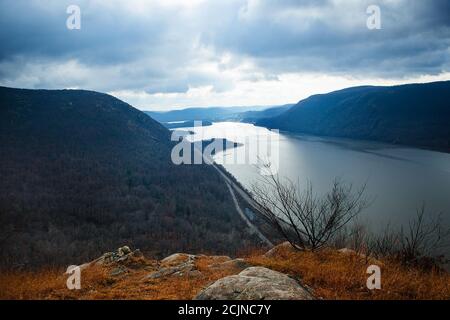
point(120, 261)
point(178, 264)
point(279, 249)
point(123, 255)
point(232, 279)
point(255, 283)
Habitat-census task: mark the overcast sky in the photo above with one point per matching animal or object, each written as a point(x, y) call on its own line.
point(160, 55)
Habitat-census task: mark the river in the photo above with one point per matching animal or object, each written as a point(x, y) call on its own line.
point(398, 179)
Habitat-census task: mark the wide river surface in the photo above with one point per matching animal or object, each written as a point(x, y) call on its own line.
point(398, 179)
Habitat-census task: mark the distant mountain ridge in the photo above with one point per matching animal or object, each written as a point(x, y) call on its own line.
point(196, 113)
point(247, 114)
point(413, 114)
point(254, 116)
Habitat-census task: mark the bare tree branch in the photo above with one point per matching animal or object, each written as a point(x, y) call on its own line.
point(304, 219)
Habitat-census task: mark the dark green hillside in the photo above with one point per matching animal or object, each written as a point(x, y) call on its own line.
point(83, 172)
point(415, 115)
point(254, 116)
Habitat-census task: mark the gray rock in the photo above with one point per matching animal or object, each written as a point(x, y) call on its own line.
point(163, 272)
point(121, 255)
point(106, 258)
point(122, 251)
point(182, 264)
point(177, 264)
point(177, 258)
point(275, 251)
point(255, 283)
point(168, 271)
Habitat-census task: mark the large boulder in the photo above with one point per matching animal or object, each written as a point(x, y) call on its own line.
point(255, 283)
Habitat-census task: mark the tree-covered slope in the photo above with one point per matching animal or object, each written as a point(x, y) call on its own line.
point(254, 116)
point(415, 114)
point(82, 172)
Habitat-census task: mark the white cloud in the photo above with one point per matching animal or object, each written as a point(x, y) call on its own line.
point(289, 88)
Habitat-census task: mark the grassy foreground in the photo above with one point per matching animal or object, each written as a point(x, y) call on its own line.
point(329, 273)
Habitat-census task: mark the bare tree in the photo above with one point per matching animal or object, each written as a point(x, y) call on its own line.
point(422, 242)
point(424, 237)
point(303, 218)
point(385, 243)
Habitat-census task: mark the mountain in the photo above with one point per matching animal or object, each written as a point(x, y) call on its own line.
point(254, 116)
point(82, 172)
point(209, 114)
point(185, 124)
point(191, 114)
point(414, 114)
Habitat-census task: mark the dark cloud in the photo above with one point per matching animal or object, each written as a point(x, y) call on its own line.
point(331, 36)
point(168, 46)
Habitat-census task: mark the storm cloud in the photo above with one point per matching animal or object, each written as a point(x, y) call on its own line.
point(193, 52)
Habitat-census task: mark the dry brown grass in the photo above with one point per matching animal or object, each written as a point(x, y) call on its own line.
point(47, 284)
point(331, 275)
point(335, 275)
point(97, 283)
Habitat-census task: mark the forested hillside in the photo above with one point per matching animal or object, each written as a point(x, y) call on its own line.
point(415, 115)
point(254, 116)
point(82, 172)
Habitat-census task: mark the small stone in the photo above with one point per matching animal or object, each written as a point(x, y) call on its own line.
point(123, 251)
